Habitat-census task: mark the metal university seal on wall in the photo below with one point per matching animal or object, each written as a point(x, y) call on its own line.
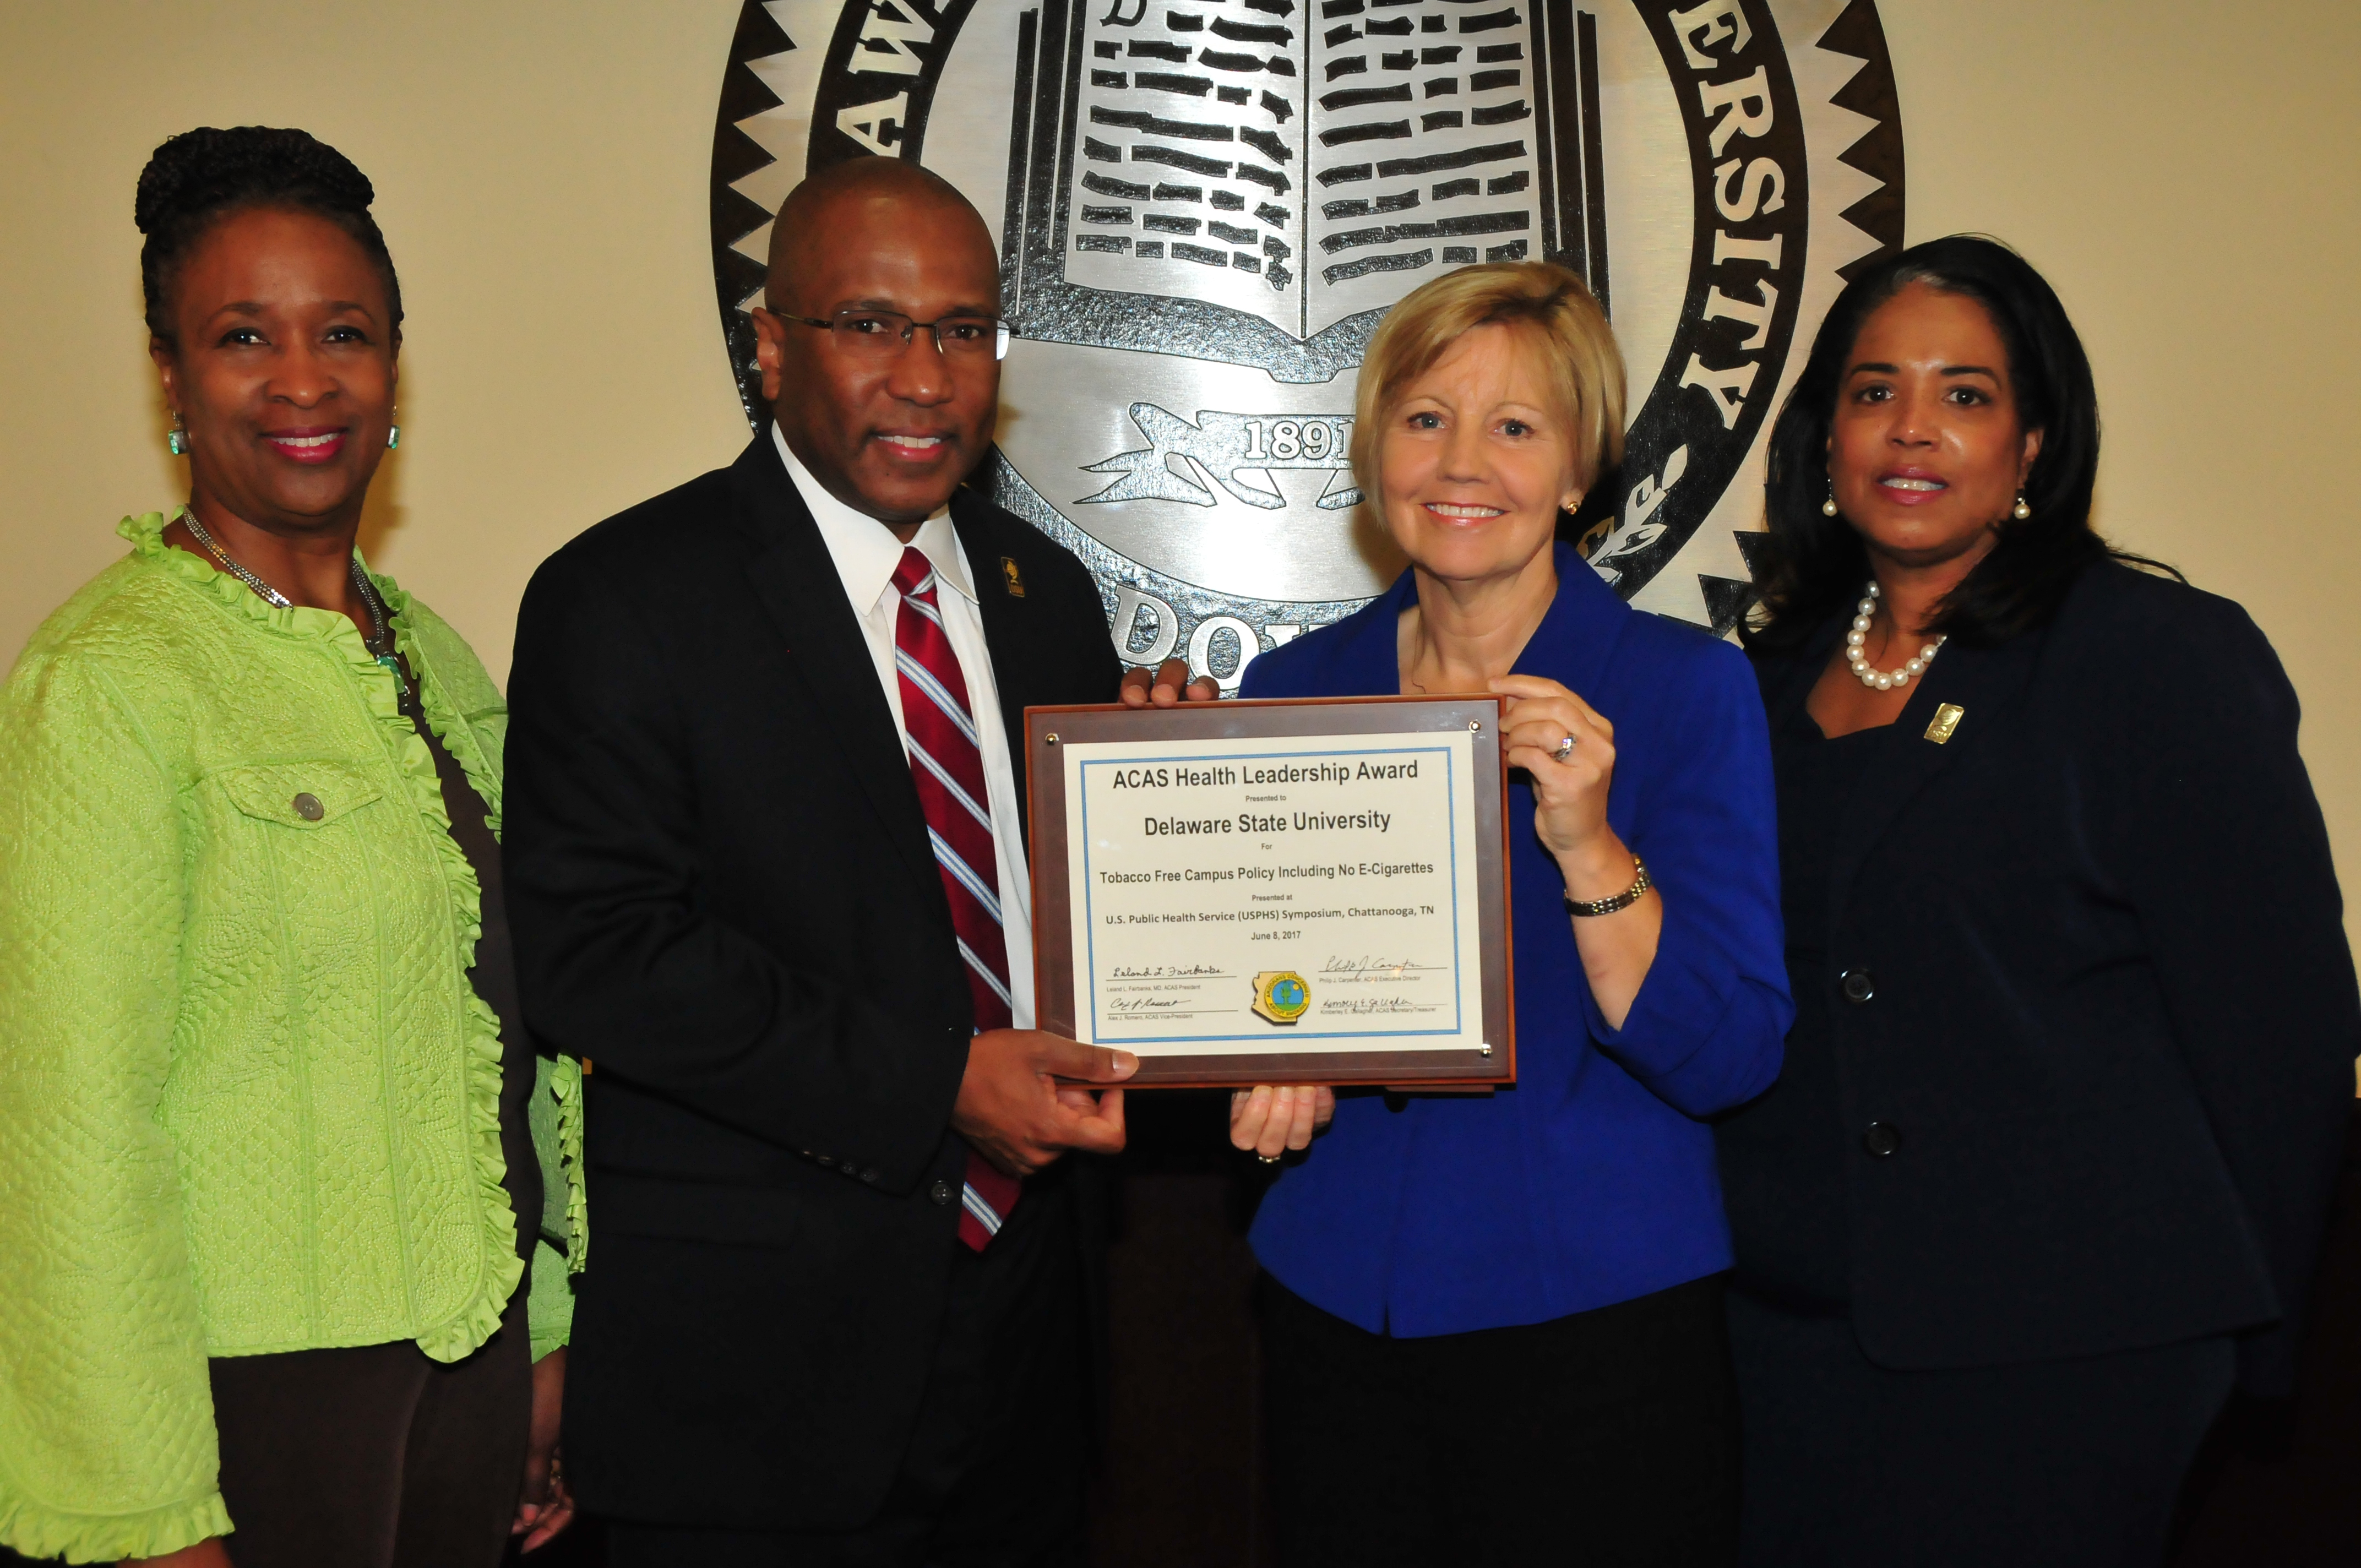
point(1204, 208)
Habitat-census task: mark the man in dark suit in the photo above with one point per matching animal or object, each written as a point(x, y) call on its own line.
point(766, 860)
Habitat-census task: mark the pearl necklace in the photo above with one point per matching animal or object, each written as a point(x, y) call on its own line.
point(1881, 680)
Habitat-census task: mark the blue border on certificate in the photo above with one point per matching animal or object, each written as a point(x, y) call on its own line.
point(1090, 921)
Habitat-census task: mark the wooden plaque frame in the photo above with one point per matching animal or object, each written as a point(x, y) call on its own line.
point(1046, 729)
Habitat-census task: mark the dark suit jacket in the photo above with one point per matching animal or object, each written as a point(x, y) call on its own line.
point(2111, 1013)
point(723, 896)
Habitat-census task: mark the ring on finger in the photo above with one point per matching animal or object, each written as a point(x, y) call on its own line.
point(1267, 1158)
point(1565, 750)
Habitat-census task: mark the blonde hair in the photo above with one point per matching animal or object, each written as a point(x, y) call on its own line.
point(1549, 307)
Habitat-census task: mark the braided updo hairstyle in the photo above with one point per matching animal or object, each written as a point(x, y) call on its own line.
point(202, 176)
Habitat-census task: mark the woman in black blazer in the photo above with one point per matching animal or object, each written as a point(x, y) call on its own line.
point(2047, 1169)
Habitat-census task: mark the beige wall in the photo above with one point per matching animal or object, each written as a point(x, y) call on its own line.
point(2179, 168)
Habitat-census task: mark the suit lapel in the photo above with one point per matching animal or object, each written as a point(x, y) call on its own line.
point(794, 579)
point(1577, 637)
point(1984, 682)
point(1009, 632)
point(1788, 680)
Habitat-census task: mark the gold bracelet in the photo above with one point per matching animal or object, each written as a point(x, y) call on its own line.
point(1623, 900)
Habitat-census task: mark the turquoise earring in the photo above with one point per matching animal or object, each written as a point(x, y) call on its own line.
point(393, 437)
point(176, 441)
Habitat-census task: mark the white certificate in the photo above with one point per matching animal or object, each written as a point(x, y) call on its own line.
point(1304, 895)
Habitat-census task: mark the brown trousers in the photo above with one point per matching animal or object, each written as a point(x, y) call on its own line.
point(375, 1457)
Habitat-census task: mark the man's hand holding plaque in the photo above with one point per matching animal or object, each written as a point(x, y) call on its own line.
point(1030, 1096)
point(1168, 688)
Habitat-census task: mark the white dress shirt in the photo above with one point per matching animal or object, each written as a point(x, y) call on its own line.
point(866, 554)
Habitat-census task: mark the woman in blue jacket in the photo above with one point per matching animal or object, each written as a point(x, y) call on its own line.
point(1493, 1324)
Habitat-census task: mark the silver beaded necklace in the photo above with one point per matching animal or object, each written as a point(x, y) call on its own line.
point(379, 641)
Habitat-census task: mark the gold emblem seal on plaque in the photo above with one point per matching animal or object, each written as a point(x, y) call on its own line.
point(1280, 996)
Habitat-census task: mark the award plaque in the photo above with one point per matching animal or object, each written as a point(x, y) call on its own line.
point(1306, 891)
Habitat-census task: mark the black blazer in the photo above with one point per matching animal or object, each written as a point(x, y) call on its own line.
point(2103, 1002)
point(722, 895)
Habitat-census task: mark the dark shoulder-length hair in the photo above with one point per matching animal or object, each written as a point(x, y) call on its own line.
point(1814, 566)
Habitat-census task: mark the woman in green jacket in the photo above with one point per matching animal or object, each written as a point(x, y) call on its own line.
point(275, 1149)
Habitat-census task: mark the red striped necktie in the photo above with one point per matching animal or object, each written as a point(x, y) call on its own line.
point(947, 763)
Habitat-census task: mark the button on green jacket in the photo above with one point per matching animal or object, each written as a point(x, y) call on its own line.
point(249, 1101)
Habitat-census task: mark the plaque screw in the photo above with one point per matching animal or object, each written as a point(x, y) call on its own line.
point(1484, 1051)
point(1475, 724)
point(1050, 739)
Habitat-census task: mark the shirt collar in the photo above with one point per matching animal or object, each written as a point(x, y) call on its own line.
point(865, 550)
point(1572, 643)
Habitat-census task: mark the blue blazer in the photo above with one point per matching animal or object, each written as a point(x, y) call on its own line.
point(1592, 1181)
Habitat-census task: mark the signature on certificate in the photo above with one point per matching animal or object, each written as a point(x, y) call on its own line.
point(1363, 966)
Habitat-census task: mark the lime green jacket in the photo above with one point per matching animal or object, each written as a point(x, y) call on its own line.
point(249, 1101)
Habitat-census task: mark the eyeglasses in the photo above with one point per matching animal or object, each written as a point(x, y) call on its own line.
point(886, 335)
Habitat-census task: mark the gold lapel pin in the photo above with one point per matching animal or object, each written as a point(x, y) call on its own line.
point(1012, 577)
point(1946, 718)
